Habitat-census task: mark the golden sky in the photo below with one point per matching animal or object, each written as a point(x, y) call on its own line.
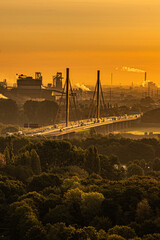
point(85, 35)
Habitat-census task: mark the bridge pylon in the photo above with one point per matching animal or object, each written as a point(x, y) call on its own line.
point(98, 100)
point(67, 96)
point(67, 92)
point(98, 95)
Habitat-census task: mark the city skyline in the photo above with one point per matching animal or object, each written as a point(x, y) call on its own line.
point(85, 36)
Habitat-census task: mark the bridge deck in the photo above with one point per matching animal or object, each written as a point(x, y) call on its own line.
point(84, 125)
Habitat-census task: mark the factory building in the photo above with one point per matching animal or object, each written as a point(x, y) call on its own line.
point(3, 84)
point(57, 81)
point(32, 87)
point(25, 82)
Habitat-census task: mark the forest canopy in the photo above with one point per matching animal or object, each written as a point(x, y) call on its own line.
point(79, 190)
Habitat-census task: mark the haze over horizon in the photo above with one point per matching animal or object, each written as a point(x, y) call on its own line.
point(48, 36)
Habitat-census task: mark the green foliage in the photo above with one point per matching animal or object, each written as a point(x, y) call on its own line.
point(8, 111)
point(40, 112)
point(101, 223)
point(115, 237)
point(9, 128)
point(110, 168)
point(134, 169)
point(125, 149)
point(92, 160)
point(66, 202)
point(8, 156)
point(59, 231)
point(155, 236)
point(91, 233)
point(11, 189)
point(70, 171)
point(143, 211)
point(123, 231)
point(22, 173)
point(57, 153)
point(36, 232)
point(22, 219)
point(91, 204)
point(152, 116)
point(69, 183)
point(156, 164)
point(44, 180)
point(35, 162)
point(102, 235)
point(74, 195)
point(24, 159)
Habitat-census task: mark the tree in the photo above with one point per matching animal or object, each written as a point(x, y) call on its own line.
point(11, 153)
point(115, 237)
point(111, 209)
point(69, 183)
point(36, 232)
point(91, 204)
point(2, 160)
point(27, 158)
point(24, 159)
point(134, 169)
point(40, 112)
point(156, 164)
point(101, 223)
point(114, 160)
point(92, 132)
point(102, 235)
point(35, 161)
point(92, 160)
point(91, 233)
point(155, 236)
point(8, 111)
point(74, 195)
point(123, 231)
point(79, 234)
point(22, 219)
point(39, 182)
point(59, 231)
point(143, 211)
point(22, 173)
point(7, 156)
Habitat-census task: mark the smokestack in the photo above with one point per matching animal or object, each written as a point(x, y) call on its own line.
point(145, 77)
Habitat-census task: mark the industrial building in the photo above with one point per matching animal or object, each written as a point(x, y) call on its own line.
point(57, 81)
point(3, 84)
point(31, 88)
point(24, 82)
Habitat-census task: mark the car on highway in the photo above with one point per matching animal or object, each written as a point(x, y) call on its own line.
point(9, 134)
point(37, 134)
point(20, 133)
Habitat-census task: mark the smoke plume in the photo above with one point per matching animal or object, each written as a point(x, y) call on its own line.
point(131, 69)
point(82, 86)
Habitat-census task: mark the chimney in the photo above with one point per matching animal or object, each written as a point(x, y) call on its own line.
point(145, 77)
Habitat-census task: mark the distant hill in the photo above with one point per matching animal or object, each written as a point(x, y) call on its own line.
point(152, 116)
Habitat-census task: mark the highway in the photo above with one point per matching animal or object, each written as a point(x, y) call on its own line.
point(61, 129)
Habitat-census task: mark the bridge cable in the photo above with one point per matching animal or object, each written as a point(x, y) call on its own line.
point(92, 104)
point(74, 101)
point(60, 104)
point(105, 107)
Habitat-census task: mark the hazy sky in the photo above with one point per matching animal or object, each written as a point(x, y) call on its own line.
point(50, 35)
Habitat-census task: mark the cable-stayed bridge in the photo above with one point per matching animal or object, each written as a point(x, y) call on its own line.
point(103, 125)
